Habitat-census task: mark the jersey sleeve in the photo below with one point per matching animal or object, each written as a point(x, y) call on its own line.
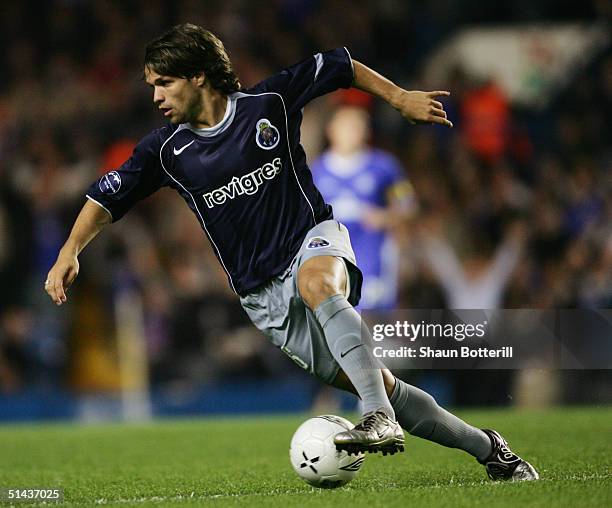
point(311, 78)
point(398, 188)
point(140, 176)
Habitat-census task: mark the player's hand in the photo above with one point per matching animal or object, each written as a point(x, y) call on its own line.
point(61, 276)
point(374, 218)
point(422, 107)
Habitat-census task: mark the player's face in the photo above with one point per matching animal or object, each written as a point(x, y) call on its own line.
point(179, 99)
point(348, 130)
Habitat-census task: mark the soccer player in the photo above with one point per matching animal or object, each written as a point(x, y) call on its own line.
point(371, 196)
point(234, 156)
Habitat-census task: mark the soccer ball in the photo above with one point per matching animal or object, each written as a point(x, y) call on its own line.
point(314, 456)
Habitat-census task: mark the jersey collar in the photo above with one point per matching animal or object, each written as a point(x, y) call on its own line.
point(228, 117)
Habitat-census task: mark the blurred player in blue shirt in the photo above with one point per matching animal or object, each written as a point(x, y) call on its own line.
point(371, 196)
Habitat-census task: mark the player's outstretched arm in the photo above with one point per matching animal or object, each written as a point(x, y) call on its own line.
point(418, 107)
point(91, 220)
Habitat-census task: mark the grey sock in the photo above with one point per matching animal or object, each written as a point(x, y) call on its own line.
point(419, 414)
point(348, 340)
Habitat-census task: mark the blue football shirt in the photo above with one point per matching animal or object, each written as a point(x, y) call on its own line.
point(246, 178)
point(353, 184)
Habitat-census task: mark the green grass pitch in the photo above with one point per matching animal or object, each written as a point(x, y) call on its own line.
point(244, 462)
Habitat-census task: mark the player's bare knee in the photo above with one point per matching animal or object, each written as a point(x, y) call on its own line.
point(316, 287)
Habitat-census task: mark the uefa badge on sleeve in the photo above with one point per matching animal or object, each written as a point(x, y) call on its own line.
point(110, 183)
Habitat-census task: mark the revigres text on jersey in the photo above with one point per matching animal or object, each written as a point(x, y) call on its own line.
point(246, 184)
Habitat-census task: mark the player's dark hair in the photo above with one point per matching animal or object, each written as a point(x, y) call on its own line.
point(186, 50)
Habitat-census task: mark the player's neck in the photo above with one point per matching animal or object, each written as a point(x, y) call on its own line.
point(214, 105)
point(347, 152)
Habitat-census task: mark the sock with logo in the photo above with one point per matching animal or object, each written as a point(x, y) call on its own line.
point(348, 340)
point(419, 414)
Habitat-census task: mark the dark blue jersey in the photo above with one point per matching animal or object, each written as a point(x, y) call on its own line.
point(246, 179)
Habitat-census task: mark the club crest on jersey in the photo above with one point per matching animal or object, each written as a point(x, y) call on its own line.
point(110, 183)
point(266, 135)
point(316, 242)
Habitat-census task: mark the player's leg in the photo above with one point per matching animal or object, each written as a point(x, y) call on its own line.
point(420, 415)
point(322, 285)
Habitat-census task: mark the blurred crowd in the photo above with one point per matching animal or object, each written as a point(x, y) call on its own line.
point(72, 106)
